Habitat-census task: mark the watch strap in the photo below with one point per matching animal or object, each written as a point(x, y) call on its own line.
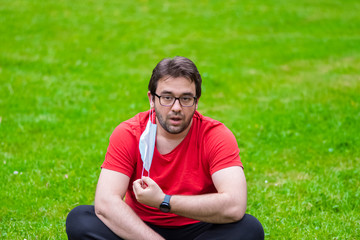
point(167, 198)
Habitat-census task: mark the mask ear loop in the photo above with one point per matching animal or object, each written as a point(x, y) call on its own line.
point(142, 174)
point(151, 113)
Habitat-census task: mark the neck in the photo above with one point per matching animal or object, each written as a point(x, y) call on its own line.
point(166, 142)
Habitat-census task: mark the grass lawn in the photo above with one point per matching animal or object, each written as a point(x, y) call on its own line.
point(282, 75)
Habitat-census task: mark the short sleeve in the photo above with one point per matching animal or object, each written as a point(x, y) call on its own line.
point(122, 150)
point(222, 149)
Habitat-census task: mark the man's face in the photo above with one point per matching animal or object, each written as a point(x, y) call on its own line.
point(175, 119)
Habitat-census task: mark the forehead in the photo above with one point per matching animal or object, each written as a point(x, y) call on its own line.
point(176, 86)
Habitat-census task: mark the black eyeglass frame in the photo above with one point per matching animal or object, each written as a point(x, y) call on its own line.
point(175, 98)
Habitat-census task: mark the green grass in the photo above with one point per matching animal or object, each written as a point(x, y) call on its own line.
point(282, 75)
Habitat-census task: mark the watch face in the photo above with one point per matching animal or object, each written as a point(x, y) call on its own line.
point(165, 207)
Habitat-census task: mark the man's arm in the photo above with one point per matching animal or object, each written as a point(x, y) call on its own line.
point(114, 212)
point(225, 206)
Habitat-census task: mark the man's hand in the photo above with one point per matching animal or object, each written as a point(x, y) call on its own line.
point(148, 192)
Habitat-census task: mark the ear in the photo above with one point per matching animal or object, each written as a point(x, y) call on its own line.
point(196, 105)
point(151, 98)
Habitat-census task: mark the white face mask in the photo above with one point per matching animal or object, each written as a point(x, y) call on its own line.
point(147, 144)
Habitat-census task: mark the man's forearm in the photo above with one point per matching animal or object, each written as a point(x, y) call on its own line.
point(123, 221)
point(212, 208)
point(226, 206)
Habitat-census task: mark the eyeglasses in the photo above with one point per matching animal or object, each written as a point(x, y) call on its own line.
point(168, 100)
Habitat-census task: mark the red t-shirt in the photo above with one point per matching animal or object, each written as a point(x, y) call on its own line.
point(208, 147)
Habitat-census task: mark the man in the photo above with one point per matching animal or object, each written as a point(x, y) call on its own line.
point(195, 188)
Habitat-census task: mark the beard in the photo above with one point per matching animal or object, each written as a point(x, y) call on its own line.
point(165, 121)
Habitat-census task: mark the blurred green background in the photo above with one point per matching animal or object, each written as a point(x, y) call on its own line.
point(282, 75)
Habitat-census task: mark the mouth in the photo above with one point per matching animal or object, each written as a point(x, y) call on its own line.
point(175, 120)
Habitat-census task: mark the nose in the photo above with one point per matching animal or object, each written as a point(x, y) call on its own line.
point(176, 107)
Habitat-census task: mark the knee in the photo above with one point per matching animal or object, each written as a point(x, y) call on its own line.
point(254, 228)
point(77, 221)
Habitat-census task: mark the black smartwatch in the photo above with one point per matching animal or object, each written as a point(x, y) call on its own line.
point(165, 205)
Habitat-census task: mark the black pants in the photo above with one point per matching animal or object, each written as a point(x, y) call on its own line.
point(82, 223)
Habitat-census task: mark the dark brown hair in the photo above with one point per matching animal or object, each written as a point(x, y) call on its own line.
point(175, 67)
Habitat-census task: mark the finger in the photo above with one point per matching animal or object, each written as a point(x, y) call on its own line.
point(148, 181)
point(137, 186)
point(137, 183)
point(143, 184)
